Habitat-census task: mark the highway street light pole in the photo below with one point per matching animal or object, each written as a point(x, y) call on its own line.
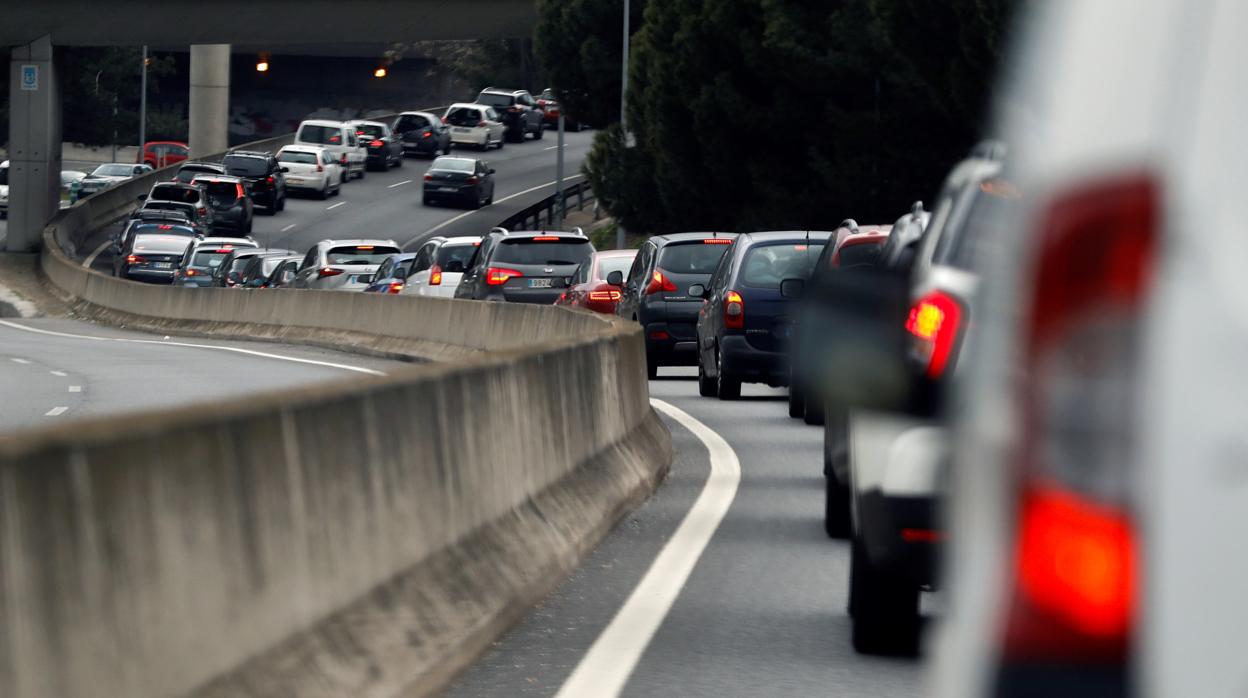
point(143, 106)
point(559, 199)
point(619, 229)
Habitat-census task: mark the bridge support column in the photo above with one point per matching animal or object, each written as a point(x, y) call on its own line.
point(210, 99)
point(34, 143)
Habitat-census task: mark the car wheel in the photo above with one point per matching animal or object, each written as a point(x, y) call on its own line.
point(706, 384)
point(836, 519)
point(363, 171)
point(884, 608)
point(447, 151)
point(652, 369)
point(797, 401)
point(814, 413)
point(489, 200)
point(398, 162)
point(727, 387)
point(425, 200)
point(475, 202)
point(541, 131)
point(502, 142)
point(324, 193)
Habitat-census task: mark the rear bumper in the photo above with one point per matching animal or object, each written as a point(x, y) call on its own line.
point(535, 297)
point(470, 138)
point(233, 219)
point(665, 349)
point(751, 365)
point(425, 146)
point(900, 534)
point(151, 276)
point(435, 192)
point(312, 182)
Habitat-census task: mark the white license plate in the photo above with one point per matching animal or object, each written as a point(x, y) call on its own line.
point(447, 189)
point(294, 180)
point(458, 129)
point(361, 278)
point(541, 283)
point(162, 265)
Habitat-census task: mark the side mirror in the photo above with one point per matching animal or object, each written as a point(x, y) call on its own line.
point(792, 288)
point(616, 278)
point(491, 170)
point(141, 198)
point(698, 291)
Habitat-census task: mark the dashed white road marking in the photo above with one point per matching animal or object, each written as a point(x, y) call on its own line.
point(289, 227)
point(19, 361)
point(62, 374)
point(56, 411)
point(553, 147)
point(605, 668)
point(75, 388)
point(399, 184)
point(334, 206)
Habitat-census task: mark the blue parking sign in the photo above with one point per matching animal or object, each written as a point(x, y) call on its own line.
point(30, 77)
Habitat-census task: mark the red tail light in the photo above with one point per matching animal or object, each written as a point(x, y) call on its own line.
point(472, 180)
point(1075, 552)
point(734, 311)
point(660, 283)
point(238, 191)
point(428, 178)
point(191, 272)
point(134, 259)
point(717, 241)
point(327, 271)
point(482, 125)
point(395, 287)
point(546, 238)
point(269, 180)
point(660, 335)
point(426, 134)
point(497, 276)
point(376, 144)
point(320, 167)
point(202, 211)
point(435, 276)
point(604, 295)
point(934, 323)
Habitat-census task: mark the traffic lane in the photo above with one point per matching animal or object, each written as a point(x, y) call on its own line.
point(40, 367)
point(535, 657)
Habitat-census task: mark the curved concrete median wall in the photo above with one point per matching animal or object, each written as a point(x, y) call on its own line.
point(365, 537)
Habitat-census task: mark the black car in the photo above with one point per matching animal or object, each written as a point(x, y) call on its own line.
point(231, 205)
point(162, 216)
point(745, 326)
point(124, 241)
point(261, 270)
point(423, 133)
point(151, 257)
point(263, 174)
point(190, 170)
point(382, 147)
point(523, 267)
point(518, 111)
point(459, 179)
point(197, 266)
point(656, 293)
point(229, 273)
point(191, 212)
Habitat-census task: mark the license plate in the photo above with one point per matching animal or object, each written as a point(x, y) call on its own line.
point(458, 129)
point(162, 265)
point(361, 278)
point(541, 283)
point(294, 180)
point(447, 189)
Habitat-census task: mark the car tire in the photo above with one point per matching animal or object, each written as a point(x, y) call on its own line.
point(813, 415)
point(425, 201)
point(444, 152)
point(797, 401)
point(727, 387)
point(884, 608)
point(652, 369)
point(706, 384)
point(281, 203)
point(324, 192)
point(836, 519)
point(475, 202)
point(541, 132)
point(398, 162)
point(363, 171)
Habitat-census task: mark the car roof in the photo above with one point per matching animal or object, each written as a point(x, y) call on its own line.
point(195, 164)
point(298, 147)
point(522, 234)
point(164, 240)
point(615, 253)
point(403, 256)
point(459, 240)
point(223, 241)
point(785, 235)
point(178, 185)
point(661, 240)
point(419, 113)
point(502, 91)
point(365, 122)
point(219, 178)
point(248, 154)
point(357, 242)
point(474, 105)
point(320, 122)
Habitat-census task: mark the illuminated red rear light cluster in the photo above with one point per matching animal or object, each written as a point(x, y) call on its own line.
point(659, 283)
point(376, 144)
point(395, 287)
point(327, 271)
point(435, 276)
point(472, 179)
point(497, 276)
point(134, 259)
point(934, 323)
point(608, 296)
point(734, 311)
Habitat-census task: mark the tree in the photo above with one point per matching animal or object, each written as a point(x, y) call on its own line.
point(97, 81)
point(580, 44)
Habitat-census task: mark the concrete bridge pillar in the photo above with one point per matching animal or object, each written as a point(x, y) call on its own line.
point(34, 143)
point(210, 99)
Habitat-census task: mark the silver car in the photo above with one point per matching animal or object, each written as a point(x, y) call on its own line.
point(342, 265)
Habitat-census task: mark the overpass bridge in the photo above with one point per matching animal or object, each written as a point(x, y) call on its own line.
point(32, 30)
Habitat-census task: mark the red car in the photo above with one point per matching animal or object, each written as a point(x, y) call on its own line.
point(548, 104)
point(591, 287)
point(160, 154)
point(857, 246)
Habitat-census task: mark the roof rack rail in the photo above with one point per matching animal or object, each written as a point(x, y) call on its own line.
point(578, 230)
point(916, 209)
point(849, 223)
point(499, 229)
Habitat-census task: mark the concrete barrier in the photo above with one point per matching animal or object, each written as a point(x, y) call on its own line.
point(362, 538)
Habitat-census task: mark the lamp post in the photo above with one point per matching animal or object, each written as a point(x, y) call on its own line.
point(143, 106)
point(619, 229)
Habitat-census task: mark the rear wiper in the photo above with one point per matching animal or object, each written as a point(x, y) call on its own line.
point(559, 261)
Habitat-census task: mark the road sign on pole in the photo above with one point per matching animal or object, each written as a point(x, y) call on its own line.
point(30, 78)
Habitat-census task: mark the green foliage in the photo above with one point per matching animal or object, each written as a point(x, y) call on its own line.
point(580, 43)
point(504, 63)
point(98, 81)
point(755, 114)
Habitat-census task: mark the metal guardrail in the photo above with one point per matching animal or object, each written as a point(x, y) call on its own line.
point(549, 212)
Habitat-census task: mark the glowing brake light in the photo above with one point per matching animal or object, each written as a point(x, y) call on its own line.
point(660, 283)
point(734, 311)
point(472, 179)
point(428, 177)
point(238, 191)
point(364, 247)
point(547, 238)
point(604, 295)
point(717, 241)
point(435, 276)
point(426, 134)
point(376, 144)
point(395, 287)
point(327, 271)
point(934, 322)
point(134, 259)
point(165, 227)
point(497, 276)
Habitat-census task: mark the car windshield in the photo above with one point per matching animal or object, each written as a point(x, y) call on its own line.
point(174, 193)
point(496, 100)
point(297, 156)
point(410, 122)
point(768, 264)
point(606, 265)
point(464, 116)
point(370, 130)
point(536, 251)
point(113, 171)
point(245, 166)
point(325, 135)
point(691, 257)
point(449, 254)
point(454, 164)
point(859, 254)
point(360, 254)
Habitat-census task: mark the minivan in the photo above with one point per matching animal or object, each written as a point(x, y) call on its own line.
point(338, 138)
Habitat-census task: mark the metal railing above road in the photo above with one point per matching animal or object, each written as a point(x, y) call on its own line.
point(545, 214)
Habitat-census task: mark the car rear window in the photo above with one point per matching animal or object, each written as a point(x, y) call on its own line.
point(186, 208)
point(209, 257)
point(860, 253)
point(240, 262)
point(454, 164)
point(463, 116)
point(537, 251)
point(163, 229)
point(242, 166)
point(455, 253)
point(297, 156)
point(161, 244)
point(360, 254)
point(691, 257)
point(221, 192)
point(768, 264)
point(187, 174)
point(174, 193)
point(410, 122)
point(324, 135)
point(370, 130)
point(996, 201)
point(606, 265)
point(496, 100)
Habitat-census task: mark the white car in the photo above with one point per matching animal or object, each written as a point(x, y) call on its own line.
point(4, 189)
point(1098, 475)
point(311, 168)
point(439, 265)
point(339, 139)
point(342, 265)
point(475, 124)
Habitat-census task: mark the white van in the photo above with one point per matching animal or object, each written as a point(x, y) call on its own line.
point(338, 138)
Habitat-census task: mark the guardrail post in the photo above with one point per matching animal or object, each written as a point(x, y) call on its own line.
point(580, 197)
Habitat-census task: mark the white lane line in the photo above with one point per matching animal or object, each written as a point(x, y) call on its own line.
point(399, 184)
point(237, 350)
point(98, 251)
point(75, 388)
point(334, 206)
point(465, 214)
point(19, 361)
point(289, 227)
point(605, 668)
point(62, 374)
point(553, 147)
point(56, 412)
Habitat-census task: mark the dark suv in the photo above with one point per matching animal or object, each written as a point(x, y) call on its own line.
point(745, 326)
point(523, 267)
point(264, 175)
point(518, 111)
point(656, 293)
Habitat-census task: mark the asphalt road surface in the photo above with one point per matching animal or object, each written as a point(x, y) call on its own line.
point(63, 369)
point(761, 614)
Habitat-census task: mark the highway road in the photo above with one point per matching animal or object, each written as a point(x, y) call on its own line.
point(54, 369)
point(387, 204)
point(761, 613)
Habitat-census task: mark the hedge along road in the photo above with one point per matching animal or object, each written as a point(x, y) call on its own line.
point(386, 205)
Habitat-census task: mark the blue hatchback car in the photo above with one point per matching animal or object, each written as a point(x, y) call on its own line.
point(392, 274)
point(745, 324)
